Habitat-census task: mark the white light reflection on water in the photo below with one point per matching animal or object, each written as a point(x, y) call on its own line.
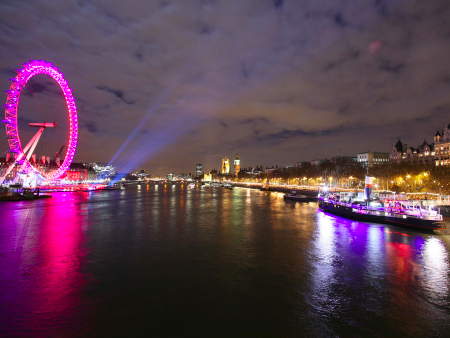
point(435, 270)
point(375, 250)
point(324, 252)
point(248, 196)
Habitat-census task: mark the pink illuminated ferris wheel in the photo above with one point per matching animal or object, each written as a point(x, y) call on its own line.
point(23, 154)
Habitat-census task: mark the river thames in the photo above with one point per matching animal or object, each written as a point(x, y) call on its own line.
point(167, 261)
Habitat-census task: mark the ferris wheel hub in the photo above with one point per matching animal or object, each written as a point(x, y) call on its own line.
point(43, 124)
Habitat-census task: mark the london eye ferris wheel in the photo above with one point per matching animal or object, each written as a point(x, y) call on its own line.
point(22, 154)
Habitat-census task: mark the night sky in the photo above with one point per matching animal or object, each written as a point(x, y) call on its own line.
point(277, 81)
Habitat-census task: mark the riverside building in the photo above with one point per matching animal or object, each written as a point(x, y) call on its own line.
point(437, 153)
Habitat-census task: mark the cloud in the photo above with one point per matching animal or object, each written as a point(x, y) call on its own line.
point(304, 78)
point(116, 92)
point(278, 3)
point(91, 126)
point(391, 67)
point(33, 88)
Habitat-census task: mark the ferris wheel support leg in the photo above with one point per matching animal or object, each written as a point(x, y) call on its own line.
point(32, 141)
point(31, 144)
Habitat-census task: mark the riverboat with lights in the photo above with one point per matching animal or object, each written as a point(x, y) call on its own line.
point(411, 214)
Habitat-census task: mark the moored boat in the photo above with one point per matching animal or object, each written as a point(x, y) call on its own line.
point(17, 193)
point(401, 213)
point(296, 197)
point(111, 187)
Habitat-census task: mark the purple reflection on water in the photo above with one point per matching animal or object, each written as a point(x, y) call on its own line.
point(354, 258)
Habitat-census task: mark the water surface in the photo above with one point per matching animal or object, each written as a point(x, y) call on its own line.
point(166, 261)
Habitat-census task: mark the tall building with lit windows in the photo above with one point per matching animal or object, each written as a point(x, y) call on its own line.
point(237, 165)
point(225, 166)
point(199, 170)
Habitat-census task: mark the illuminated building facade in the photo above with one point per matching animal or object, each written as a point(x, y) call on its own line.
point(80, 172)
point(43, 164)
point(369, 159)
point(225, 166)
point(207, 177)
point(77, 175)
point(442, 147)
point(102, 171)
point(423, 153)
point(437, 153)
point(237, 165)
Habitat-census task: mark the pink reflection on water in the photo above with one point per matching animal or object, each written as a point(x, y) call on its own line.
point(60, 242)
point(47, 262)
